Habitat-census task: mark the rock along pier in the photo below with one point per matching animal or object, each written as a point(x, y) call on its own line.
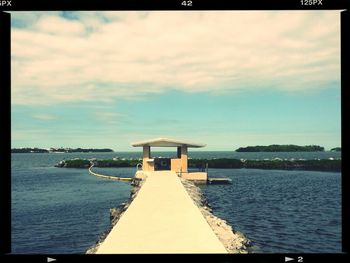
point(164, 216)
point(161, 219)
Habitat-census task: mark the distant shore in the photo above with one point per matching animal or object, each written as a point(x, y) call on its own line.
point(270, 148)
point(282, 148)
point(331, 164)
point(59, 150)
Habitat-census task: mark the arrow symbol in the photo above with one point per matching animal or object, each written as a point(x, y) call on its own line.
point(286, 259)
point(50, 259)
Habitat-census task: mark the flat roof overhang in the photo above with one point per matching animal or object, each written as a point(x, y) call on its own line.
point(165, 142)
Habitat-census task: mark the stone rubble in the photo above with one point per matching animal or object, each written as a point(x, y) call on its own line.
point(233, 241)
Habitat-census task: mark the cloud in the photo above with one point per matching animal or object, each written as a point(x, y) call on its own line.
point(56, 25)
point(110, 117)
point(44, 117)
point(100, 56)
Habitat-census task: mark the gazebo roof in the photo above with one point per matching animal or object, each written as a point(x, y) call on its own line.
point(165, 142)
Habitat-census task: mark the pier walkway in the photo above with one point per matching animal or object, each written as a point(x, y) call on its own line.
point(161, 219)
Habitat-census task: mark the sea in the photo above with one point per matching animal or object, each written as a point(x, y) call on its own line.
point(66, 210)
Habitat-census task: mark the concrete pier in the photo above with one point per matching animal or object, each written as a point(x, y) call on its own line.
point(161, 219)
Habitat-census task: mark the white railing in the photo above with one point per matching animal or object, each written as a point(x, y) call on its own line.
point(108, 176)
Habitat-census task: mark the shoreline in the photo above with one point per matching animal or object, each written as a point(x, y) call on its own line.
point(233, 241)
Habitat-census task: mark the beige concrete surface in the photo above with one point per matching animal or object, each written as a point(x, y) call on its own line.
point(200, 176)
point(175, 164)
point(161, 219)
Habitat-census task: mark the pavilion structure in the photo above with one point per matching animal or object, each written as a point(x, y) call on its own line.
point(178, 164)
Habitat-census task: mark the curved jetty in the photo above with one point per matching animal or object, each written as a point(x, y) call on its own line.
point(117, 178)
point(331, 165)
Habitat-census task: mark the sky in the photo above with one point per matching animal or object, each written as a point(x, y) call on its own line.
point(228, 79)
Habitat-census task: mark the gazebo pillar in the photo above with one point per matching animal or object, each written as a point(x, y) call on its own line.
point(184, 159)
point(146, 152)
point(146, 156)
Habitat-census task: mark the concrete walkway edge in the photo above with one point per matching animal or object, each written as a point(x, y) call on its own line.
point(161, 219)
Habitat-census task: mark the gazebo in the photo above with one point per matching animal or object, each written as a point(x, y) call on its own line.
point(179, 164)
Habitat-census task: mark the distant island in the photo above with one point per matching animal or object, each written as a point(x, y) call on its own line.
point(58, 150)
point(336, 149)
point(29, 150)
point(79, 150)
point(281, 148)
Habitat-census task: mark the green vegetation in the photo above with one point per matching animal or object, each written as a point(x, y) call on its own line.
point(29, 150)
point(215, 163)
point(79, 150)
point(116, 163)
point(84, 163)
point(336, 149)
point(312, 165)
point(281, 148)
point(77, 163)
point(52, 150)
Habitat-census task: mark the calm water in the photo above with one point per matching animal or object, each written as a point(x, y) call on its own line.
point(58, 211)
point(281, 211)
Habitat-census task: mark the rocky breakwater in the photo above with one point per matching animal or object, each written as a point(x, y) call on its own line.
point(330, 165)
point(233, 241)
point(75, 163)
point(85, 163)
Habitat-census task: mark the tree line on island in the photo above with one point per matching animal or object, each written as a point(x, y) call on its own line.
point(281, 148)
point(258, 148)
point(285, 148)
point(336, 149)
point(58, 150)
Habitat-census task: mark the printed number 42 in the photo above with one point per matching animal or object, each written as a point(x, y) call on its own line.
point(186, 3)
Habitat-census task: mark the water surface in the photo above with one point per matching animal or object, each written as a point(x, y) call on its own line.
point(62, 211)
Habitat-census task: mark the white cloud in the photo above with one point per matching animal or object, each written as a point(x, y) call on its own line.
point(110, 117)
point(44, 116)
point(104, 55)
point(58, 25)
